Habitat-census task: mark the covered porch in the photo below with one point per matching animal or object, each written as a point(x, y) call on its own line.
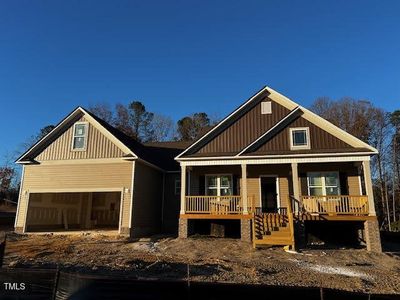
point(336, 188)
point(265, 194)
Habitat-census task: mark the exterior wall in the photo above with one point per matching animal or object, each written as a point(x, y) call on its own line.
point(253, 181)
point(147, 200)
point(77, 178)
point(320, 140)
point(171, 204)
point(245, 130)
point(350, 183)
point(98, 146)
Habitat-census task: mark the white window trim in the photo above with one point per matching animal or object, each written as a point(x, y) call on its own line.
point(301, 147)
point(85, 136)
point(218, 188)
point(278, 197)
point(323, 184)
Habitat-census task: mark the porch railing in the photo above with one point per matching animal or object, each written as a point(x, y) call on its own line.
point(333, 205)
point(219, 205)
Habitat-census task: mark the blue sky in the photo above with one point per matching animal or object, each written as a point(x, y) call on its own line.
point(180, 57)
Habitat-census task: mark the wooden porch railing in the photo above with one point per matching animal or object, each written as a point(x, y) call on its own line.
point(219, 205)
point(332, 205)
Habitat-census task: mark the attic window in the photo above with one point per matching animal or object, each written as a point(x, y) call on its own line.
point(80, 136)
point(266, 108)
point(299, 138)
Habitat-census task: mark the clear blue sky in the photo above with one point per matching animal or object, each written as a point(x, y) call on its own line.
point(180, 57)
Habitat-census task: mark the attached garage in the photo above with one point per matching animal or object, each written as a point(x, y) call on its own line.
point(70, 211)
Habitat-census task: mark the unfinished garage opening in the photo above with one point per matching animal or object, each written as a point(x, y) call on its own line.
point(73, 211)
point(334, 234)
point(215, 228)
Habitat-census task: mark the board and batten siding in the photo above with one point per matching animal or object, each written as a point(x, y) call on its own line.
point(98, 146)
point(245, 130)
point(77, 177)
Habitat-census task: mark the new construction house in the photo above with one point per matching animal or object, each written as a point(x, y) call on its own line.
point(271, 173)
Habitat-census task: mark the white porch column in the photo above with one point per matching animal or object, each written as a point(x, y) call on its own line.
point(183, 188)
point(368, 186)
point(244, 189)
point(295, 180)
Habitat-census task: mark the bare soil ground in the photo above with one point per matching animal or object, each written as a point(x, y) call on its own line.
point(207, 259)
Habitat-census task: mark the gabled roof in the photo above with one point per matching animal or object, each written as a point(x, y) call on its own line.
point(294, 108)
point(161, 156)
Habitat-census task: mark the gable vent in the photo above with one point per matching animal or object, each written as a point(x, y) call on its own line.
point(266, 108)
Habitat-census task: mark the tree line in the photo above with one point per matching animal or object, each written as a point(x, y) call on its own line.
point(361, 118)
point(137, 122)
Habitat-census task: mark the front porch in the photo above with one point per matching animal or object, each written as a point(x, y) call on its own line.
point(272, 197)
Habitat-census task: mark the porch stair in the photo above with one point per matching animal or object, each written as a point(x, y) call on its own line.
point(273, 229)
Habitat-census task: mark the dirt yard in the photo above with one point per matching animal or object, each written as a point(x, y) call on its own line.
point(207, 259)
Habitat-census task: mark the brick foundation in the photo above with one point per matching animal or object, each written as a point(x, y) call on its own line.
point(185, 228)
point(372, 236)
point(245, 230)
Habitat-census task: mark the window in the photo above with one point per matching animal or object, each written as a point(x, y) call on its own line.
point(323, 183)
point(177, 186)
point(218, 185)
point(299, 138)
point(266, 108)
point(79, 137)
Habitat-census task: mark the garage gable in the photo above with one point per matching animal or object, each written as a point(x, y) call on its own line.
point(97, 138)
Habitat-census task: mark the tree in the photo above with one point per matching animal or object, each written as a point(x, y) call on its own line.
point(6, 176)
point(103, 111)
point(122, 120)
point(370, 124)
point(191, 127)
point(162, 128)
point(141, 121)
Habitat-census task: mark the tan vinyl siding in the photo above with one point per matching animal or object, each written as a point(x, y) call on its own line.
point(77, 177)
point(245, 130)
point(348, 171)
point(147, 200)
point(98, 146)
point(253, 181)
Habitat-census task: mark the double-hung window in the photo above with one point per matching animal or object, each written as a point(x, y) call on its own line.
point(323, 183)
point(218, 185)
point(79, 136)
point(300, 138)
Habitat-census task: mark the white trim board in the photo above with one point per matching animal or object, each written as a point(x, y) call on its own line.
point(266, 161)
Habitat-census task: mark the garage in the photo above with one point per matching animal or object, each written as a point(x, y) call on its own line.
point(70, 211)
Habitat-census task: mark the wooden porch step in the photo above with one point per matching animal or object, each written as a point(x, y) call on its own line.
point(274, 241)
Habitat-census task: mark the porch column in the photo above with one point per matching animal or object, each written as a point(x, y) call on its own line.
point(368, 186)
point(244, 189)
point(295, 180)
point(183, 188)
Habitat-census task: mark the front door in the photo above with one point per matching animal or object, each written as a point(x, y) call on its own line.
point(269, 194)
